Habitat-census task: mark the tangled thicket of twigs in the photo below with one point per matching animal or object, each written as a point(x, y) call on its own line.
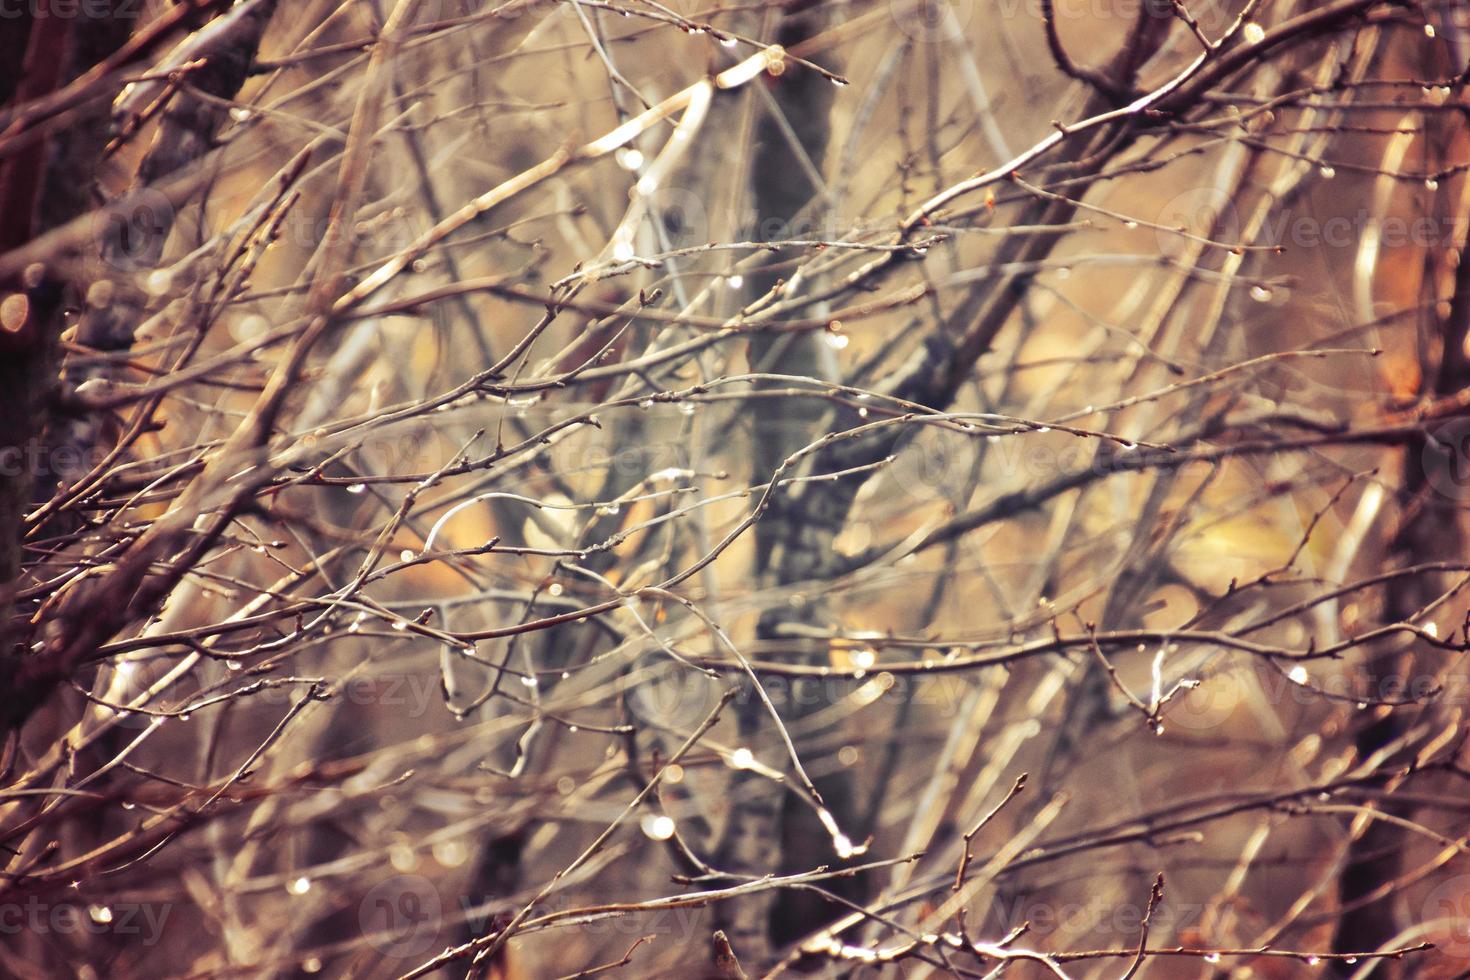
point(872, 488)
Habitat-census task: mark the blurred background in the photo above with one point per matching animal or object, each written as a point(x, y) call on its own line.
point(526, 486)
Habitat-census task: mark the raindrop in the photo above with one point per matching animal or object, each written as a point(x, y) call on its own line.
point(1429, 33)
point(1254, 33)
point(100, 913)
point(1261, 294)
point(299, 886)
point(735, 282)
point(1430, 184)
point(1298, 674)
point(659, 827)
point(742, 758)
point(837, 341)
point(1328, 172)
point(357, 488)
point(407, 554)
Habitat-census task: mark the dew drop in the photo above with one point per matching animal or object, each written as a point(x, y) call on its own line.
point(658, 827)
point(1254, 33)
point(1328, 172)
point(1261, 294)
point(357, 488)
